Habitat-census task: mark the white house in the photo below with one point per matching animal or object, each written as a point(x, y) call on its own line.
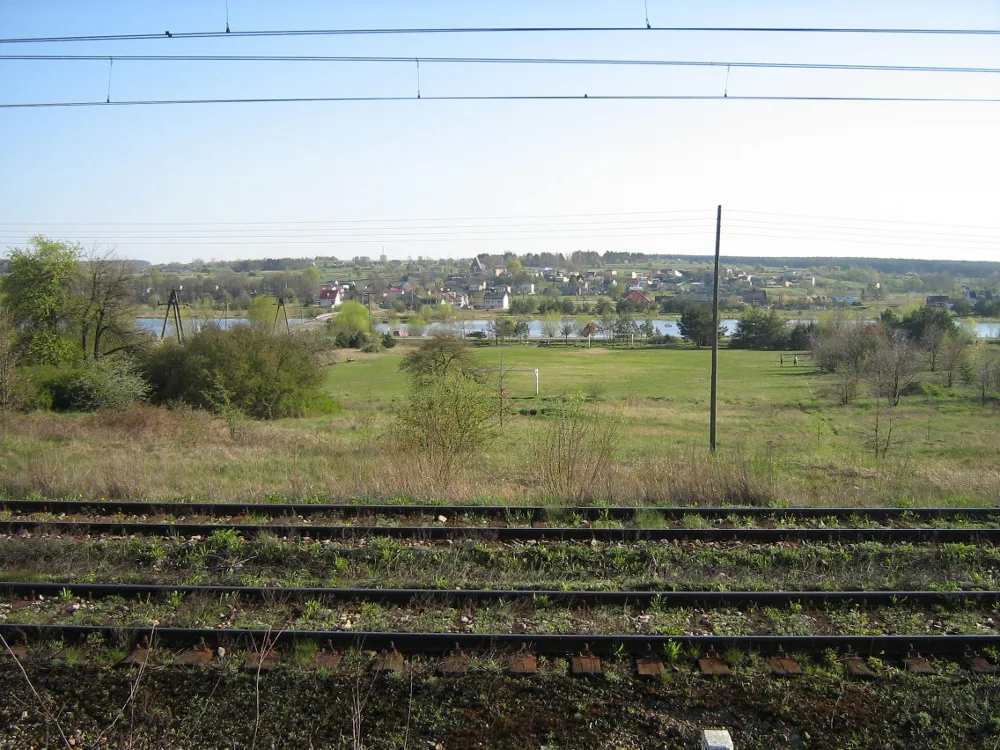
point(496, 300)
point(526, 288)
point(330, 295)
point(456, 299)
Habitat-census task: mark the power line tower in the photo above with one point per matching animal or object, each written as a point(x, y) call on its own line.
point(174, 306)
point(281, 309)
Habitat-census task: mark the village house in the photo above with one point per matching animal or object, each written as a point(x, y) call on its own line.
point(636, 295)
point(496, 299)
point(330, 295)
point(755, 297)
point(458, 300)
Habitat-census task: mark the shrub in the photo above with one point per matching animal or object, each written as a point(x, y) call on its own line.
point(102, 384)
point(263, 375)
point(108, 384)
point(388, 340)
point(447, 418)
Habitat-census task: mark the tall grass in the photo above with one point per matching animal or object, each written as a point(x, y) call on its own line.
point(158, 453)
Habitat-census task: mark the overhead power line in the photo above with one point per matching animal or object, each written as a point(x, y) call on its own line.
point(510, 98)
point(695, 211)
point(505, 61)
point(498, 30)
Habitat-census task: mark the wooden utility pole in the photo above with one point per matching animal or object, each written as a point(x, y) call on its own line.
point(278, 311)
point(715, 330)
point(173, 305)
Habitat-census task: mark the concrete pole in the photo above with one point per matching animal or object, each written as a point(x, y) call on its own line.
point(715, 332)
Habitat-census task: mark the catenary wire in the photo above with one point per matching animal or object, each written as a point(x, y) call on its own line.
point(501, 30)
point(507, 98)
point(505, 61)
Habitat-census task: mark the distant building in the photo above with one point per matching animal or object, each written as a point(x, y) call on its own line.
point(458, 300)
point(330, 295)
point(636, 296)
point(477, 267)
point(939, 300)
point(525, 289)
point(496, 300)
point(755, 297)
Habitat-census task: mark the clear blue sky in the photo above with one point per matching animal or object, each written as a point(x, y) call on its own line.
point(203, 174)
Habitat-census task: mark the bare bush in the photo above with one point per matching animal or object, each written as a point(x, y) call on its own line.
point(575, 451)
point(892, 366)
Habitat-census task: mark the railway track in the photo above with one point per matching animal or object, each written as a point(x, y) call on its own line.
point(451, 597)
point(967, 647)
point(989, 535)
point(533, 513)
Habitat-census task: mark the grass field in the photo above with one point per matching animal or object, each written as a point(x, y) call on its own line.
point(782, 435)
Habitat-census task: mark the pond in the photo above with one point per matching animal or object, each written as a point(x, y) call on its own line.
point(668, 327)
point(192, 325)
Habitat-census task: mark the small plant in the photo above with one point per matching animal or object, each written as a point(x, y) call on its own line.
point(303, 652)
point(312, 608)
point(65, 595)
point(175, 599)
point(671, 651)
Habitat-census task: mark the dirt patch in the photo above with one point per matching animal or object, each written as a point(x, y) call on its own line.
point(217, 708)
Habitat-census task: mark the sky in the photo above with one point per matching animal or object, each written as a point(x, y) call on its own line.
point(456, 178)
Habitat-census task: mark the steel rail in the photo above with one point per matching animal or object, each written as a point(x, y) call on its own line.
point(461, 596)
point(437, 643)
point(507, 533)
point(537, 512)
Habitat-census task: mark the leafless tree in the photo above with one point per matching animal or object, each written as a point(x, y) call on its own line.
point(107, 307)
point(987, 369)
point(878, 433)
point(845, 351)
point(954, 351)
point(932, 341)
point(892, 366)
point(568, 328)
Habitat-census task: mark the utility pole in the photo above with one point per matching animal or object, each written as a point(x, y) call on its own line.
point(715, 330)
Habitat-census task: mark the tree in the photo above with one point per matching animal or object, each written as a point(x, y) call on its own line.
point(892, 366)
point(500, 328)
point(263, 311)
point(567, 328)
point(353, 318)
point(107, 315)
point(37, 298)
point(591, 329)
point(760, 329)
point(987, 369)
point(514, 267)
point(695, 325)
point(954, 350)
point(442, 353)
point(550, 325)
point(916, 322)
point(307, 285)
point(624, 325)
point(522, 329)
point(931, 340)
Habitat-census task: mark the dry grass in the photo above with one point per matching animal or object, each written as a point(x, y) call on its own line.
point(162, 454)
